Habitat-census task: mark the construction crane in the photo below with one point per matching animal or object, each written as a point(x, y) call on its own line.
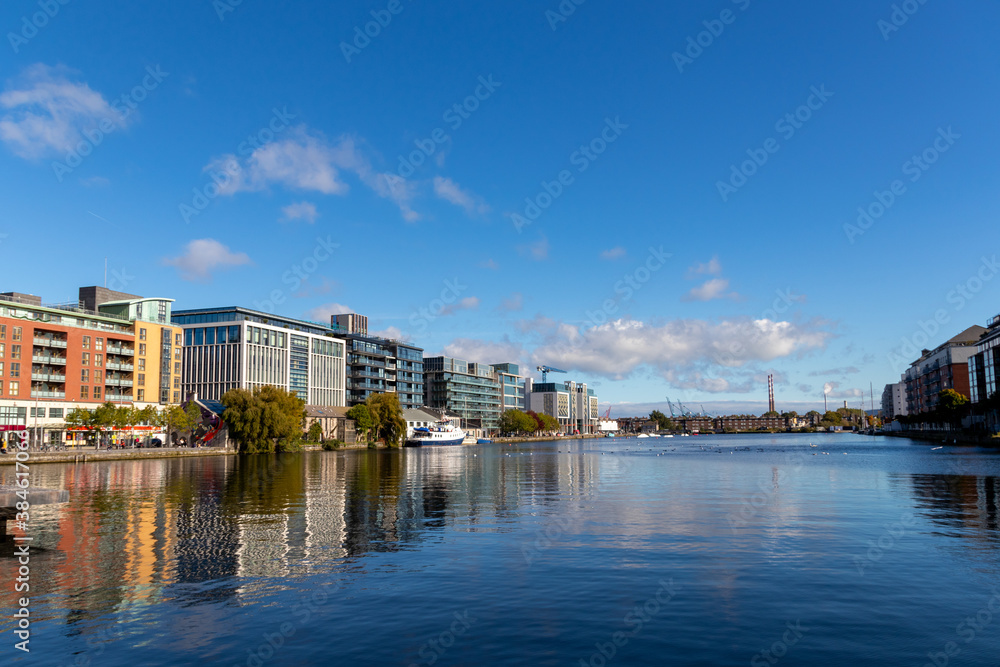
point(545, 370)
point(671, 406)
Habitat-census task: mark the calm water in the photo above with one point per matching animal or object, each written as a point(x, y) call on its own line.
point(688, 551)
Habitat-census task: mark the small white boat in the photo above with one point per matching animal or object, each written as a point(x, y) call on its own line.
point(442, 433)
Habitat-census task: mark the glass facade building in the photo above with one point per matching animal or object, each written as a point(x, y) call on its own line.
point(233, 347)
point(468, 389)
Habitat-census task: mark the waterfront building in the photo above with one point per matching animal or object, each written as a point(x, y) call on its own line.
point(58, 357)
point(334, 422)
point(233, 347)
point(469, 389)
point(153, 373)
point(418, 418)
point(511, 386)
point(984, 365)
point(894, 401)
point(378, 365)
point(573, 404)
point(944, 367)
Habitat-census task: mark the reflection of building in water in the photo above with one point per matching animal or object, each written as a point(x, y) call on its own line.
point(960, 501)
point(325, 528)
point(207, 536)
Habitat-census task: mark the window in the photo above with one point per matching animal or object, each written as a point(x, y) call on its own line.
point(85, 392)
point(15, 388)
point(1, 372)
point(142, 349)
point(16, 334)
point(15, 351)
point(142, 364)
point(210, 336)
point(177, 382)
point(177, 368)
point(98, 345)
point(97, 377)
point(55, 412)
point(2, 348)
point(3, 331)
point(86, 358)
point(177, 353)
point(97, 393)
point(142, 334)
point(177, 397)
point(86, 342)
point(177, 340)
point(142, 378)
point(15, 370)
point(85, 375)
point(99, 360)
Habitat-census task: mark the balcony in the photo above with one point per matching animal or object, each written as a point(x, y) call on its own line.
point(48, 377)
point(115, 366)
point(48, 394)
point(117, 397)
point(117, 382)
point(46, 359)
point(121, 351)
point(49, 342)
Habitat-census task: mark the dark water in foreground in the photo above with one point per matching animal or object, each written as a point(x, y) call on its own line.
point(693, 551)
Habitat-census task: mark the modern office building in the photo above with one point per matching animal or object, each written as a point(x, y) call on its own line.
point(984, 365)
point(944, 367)
point(572, 403)
point(894, 401)
point(511, 386)
point(377, 365)
point(469, 389)
point(233, 347)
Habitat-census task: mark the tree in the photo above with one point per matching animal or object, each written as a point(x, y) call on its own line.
point(387, 416)
point(549, 423)
point(952, 406)
point(773, 414)
point(516, 421)
point(264, 420)
point(663, 422)
point(315, 433)
point(363, 422)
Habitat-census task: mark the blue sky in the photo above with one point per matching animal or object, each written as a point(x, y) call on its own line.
point(642, 275)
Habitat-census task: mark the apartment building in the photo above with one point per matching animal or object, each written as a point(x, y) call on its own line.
point(377, 365)
point(984, 365)
point(469, 389)
point(572, 403)
point(944, 367)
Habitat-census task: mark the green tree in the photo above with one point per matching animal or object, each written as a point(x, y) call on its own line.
point(516, 421)
point(549, 423)
point(663, 422)
point(387, 416)
point(952, 406)
point(267, 419)
point(773, 414)
point(363, 422)
point(315, 433)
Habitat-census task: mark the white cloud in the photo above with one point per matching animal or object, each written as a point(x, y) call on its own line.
point(450, 191)
point(47, 112)
point(300, 211)
point(712, 268)
point(711, 289)
point(619, 348)
point(308, 161)
point(468, 303)
point(538, 250)
point(392, 333)
point(324, 312)
point(202, 256)
point(513, 303)
point(94, 182)
point(485, 352)
point(613, 253)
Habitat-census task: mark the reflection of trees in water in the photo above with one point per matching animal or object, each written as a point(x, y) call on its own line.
point(960, 501)
point(371, 502)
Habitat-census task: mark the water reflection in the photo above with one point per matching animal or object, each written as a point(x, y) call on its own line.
point(226, 531)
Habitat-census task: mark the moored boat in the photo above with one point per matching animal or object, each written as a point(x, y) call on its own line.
point(442, 433)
